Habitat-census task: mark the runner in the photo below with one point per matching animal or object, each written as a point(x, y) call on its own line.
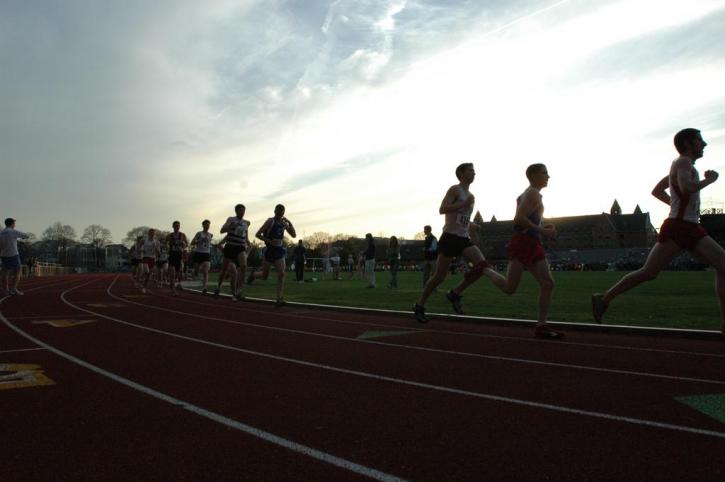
point(10, 257)
point(202, 253)
point(457, 205)
point(681, 231)
point(235, 252)
point(272, 233)
point(136, 253)
point(526, 250)
point(177, 243)
point(150, 251)
point(163, 266)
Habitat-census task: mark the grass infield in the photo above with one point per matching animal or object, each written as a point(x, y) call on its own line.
point(677, 299)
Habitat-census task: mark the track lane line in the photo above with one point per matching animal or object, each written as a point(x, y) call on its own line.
point(484, 396)
point(420, 348)
point(226, 421)
point(242, 308)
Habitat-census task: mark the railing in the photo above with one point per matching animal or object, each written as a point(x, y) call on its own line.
point(46, 269)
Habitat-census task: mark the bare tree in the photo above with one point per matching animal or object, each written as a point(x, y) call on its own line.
point(62, 235)
point(135, 233)
point(96, 235)
point(316, 239)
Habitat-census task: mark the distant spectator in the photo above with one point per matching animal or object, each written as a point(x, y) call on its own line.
point(9, 256)
point(351, 265)
point(394, 260)
point(300, 260)
point(430, 253)
point(370, 260)
point(335, 262)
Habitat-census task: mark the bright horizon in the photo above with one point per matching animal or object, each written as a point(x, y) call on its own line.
point(354, 114)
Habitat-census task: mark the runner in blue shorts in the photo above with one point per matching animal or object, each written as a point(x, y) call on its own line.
point(272, 233)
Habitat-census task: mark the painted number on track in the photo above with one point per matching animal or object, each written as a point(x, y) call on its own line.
point(22, 376)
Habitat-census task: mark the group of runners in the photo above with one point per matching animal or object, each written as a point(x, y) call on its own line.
point(152, 255)
point(681, 231)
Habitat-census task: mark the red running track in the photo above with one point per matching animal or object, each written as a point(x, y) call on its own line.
point(151, 387)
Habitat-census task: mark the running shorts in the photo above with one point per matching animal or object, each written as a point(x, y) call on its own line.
point(150, 262)
point(175, 260)
point(232, 252)
point(11, 262)
point(274, 253)
point(684, 233)
point(201, 258)
point(525, 249)
point(453, 246)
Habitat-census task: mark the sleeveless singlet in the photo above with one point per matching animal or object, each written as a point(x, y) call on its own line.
point(149, 248)
point(203, 242)
point(458, 222)
point(535, 217)
point(276, 233)
point(684, 206)
point(237, 236)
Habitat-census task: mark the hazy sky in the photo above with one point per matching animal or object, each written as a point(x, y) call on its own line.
point(352, 113)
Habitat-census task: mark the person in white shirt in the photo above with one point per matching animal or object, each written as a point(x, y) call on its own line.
point(202, 253)
point(150, 249)
point(9, 256)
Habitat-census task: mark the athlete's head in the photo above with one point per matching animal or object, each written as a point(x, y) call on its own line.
point(176, 225)
point(205, 224)
point(151, 233)
point(9, 223)
point(279, 210)
point(465, 172)
point(239, 209)
point(538, 175)
point(427, 229)
point(689, 142)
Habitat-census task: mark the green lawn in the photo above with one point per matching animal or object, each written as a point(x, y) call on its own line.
point(677, 299)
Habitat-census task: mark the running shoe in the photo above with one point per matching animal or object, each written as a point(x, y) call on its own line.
point(598, 307)
point(250, 278)
point(239, 296)
point(216, 293)
point(545, 331)
point(419, 313)
point(174, 293)
point(280, 303)
point(203, 292)
point(16, 292)
point(455, 300)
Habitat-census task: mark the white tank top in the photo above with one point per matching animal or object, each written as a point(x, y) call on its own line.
point(149, 248)
point(684, 206)
point(457, 222)
point(203, 242)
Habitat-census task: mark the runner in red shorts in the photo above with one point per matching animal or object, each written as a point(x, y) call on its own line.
point(526, 250)
point(681, 231)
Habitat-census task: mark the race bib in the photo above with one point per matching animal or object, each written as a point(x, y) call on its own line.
point(463, 220)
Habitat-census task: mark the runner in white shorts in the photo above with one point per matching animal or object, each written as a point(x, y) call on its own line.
point(201, 257)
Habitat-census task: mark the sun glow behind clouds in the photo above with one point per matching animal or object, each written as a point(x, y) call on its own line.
point(502, 101)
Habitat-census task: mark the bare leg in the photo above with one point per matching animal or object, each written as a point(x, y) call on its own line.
point(280, 266)
point(510, 283)
point(442, 264)
point(474, 256)
point(708, 250)
point(542, 273)
point(657, 260)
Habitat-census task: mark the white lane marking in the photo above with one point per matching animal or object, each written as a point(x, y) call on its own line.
point(484, 396)
point(457, 333)
point(21, 349)
point(228, 422)
point(425, 349)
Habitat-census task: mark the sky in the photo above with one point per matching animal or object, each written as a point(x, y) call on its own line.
point(352, 113)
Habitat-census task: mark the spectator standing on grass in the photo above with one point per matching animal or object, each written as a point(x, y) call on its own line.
point(681, 231)
point(394, 261)
point(351, 265)
point(430, 253)
point(369, 254)
point(300, 259)
point(10, 257)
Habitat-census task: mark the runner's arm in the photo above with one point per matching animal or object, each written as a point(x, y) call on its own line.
point(290, 229)
point(687, 183)
point(660, 190)
point(262, 231)
point(449, 204)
